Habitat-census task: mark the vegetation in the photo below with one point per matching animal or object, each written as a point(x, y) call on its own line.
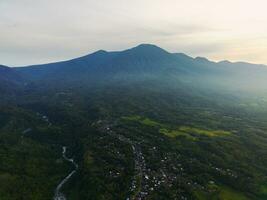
point(224, 145)
point(137, 135)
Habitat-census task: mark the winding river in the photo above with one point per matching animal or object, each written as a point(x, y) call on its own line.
point(58, 194)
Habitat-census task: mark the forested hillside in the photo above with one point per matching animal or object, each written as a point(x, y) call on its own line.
point(140, 124)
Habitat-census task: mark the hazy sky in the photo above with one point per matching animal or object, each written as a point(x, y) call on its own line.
point(40, 31)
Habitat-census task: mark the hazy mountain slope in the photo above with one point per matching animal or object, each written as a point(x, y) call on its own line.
point(159, 118)
point(149, 62)
point(139, 59)
point(10, 80)
point(9, 75)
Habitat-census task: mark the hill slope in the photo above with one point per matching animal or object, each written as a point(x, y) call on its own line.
point(149, 62)
point(10, 80)
point(141, 124)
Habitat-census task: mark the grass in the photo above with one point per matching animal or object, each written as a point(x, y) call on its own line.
point(132, 118)
point(142, 120)
point(263, 191)
point(220, 193)
point(229, 194)
point(176, 133)
point(199, 195)
point(190, 133)
point(209, 133)
point(150, 122)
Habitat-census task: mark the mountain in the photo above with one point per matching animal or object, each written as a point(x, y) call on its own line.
point(10, 79)
point(148, 62)
point(8, 74)
point(142, 123)
point(139, 59)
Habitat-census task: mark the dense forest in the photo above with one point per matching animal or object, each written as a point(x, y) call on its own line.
point(147, 133)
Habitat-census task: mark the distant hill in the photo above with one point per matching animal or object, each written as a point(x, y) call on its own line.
point(148, 62)
point(10, 79)
point(166, 125)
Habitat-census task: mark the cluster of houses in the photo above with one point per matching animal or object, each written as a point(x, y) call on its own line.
point(168, 173)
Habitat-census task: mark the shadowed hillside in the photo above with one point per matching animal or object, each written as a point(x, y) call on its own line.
point(139, 124)
point(149, 62)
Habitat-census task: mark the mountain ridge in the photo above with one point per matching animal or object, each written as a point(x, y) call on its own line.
point(145, 62)
point(145, 46)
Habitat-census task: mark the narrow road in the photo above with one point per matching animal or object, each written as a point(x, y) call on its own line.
point(58, 194)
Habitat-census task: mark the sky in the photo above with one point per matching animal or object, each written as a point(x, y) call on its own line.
point(41, 31)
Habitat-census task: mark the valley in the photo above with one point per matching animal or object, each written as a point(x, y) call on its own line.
point(141, 124)
point(58, 194)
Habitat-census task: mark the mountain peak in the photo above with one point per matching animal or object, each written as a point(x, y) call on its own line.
point(202, 59)
point(149, 47)
point(224, 62)
point(96, 53)
point(147, 50)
